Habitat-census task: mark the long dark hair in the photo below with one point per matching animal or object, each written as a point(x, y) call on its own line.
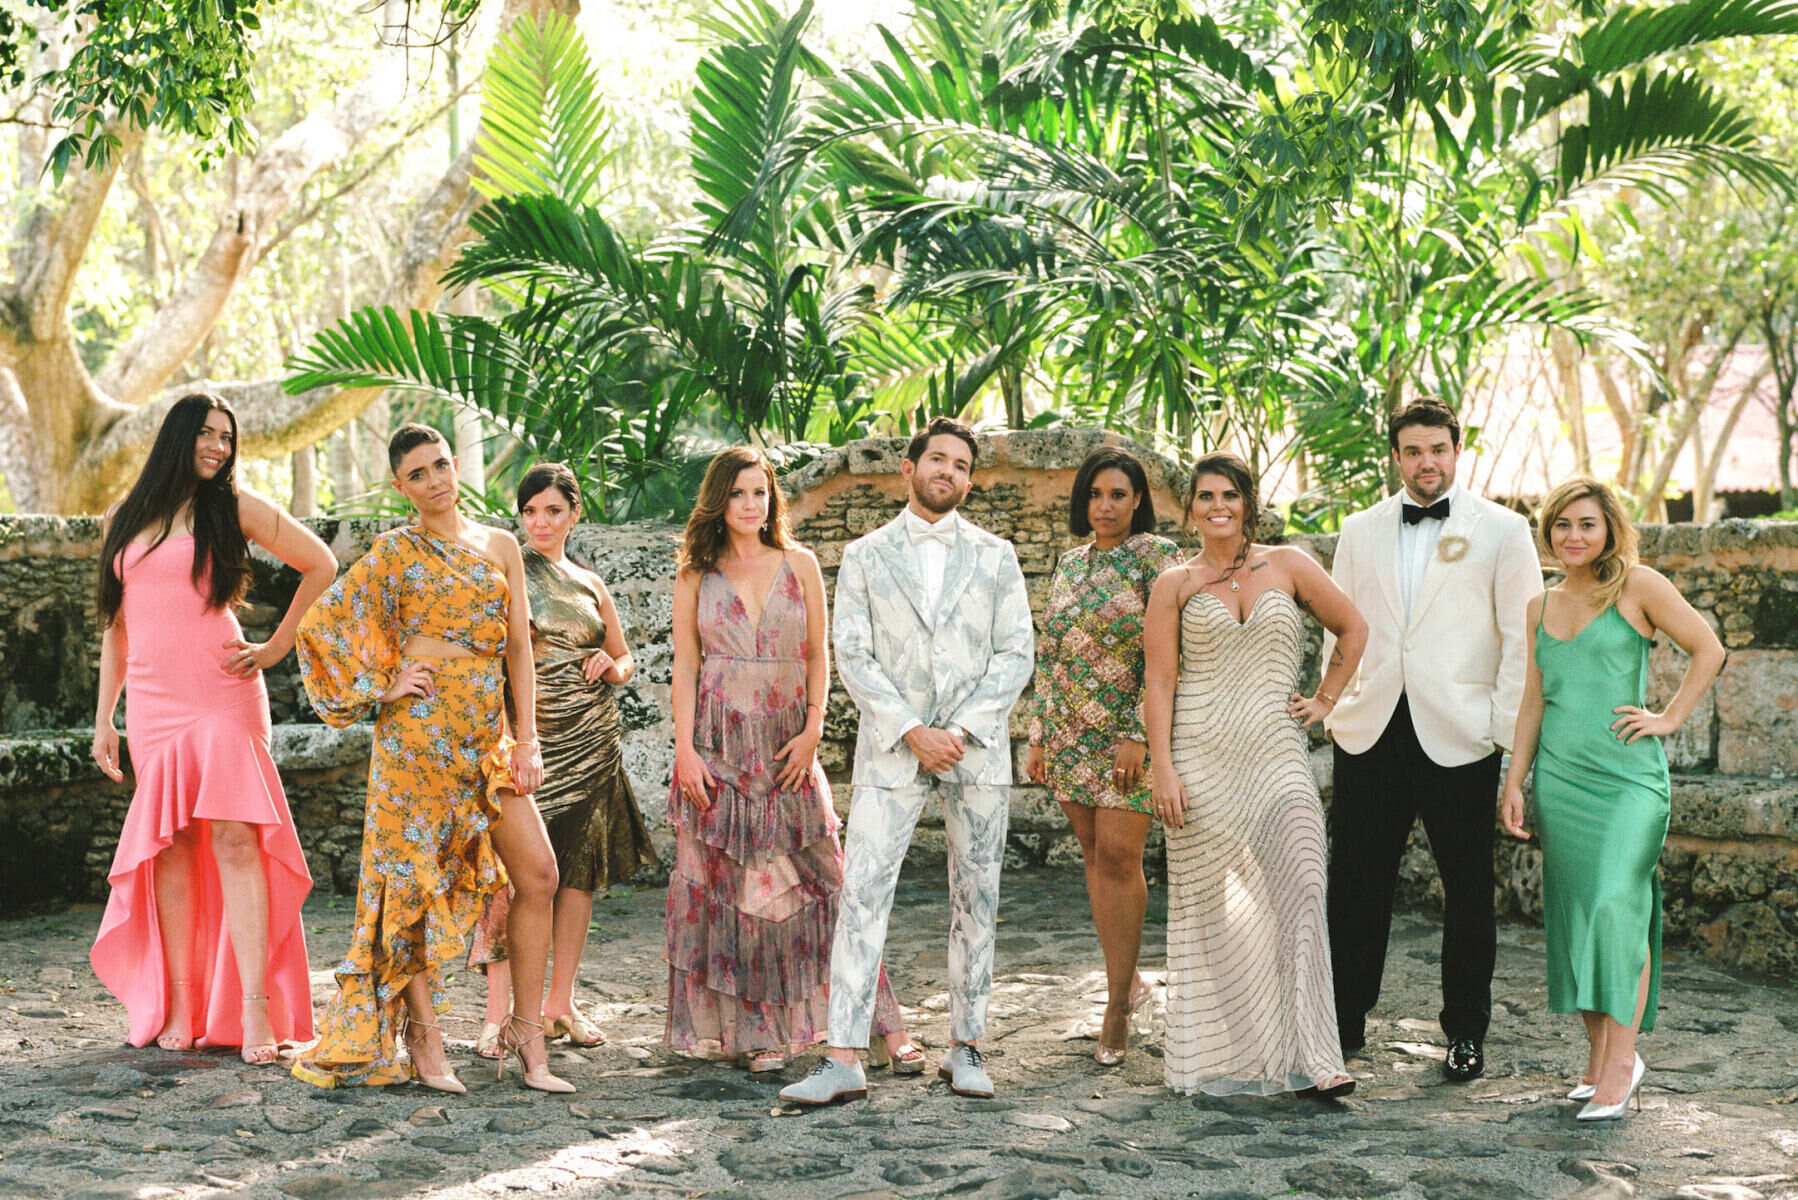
point(705, 538)
point(168, 480)
point(1239, 475)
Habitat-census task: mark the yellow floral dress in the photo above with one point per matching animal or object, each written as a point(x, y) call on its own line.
point(437, 763)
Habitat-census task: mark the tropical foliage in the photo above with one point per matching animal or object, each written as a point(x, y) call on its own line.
point(1204, 230)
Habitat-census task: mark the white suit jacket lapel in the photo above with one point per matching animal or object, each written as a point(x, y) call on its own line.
point(957, 571)
point(1383, 557)
point(895, 547)
point(1463, 519)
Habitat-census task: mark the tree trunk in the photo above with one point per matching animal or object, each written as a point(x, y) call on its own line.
point(1572, 396)
point(1704, 487)
point(83, 446)
point(304, 502)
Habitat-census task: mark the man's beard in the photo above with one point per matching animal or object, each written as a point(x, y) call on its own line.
point(929, 505)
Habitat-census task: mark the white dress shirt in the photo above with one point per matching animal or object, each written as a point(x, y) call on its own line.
point(1417, 545)
point(930, 541)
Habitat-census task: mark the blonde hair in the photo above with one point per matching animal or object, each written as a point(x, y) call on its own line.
point(1612, 566)
point(705, 538)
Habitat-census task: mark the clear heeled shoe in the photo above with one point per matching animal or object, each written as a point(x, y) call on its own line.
point(446, 1082)
point(1111, 1056)
point(1611, 1112)
point(259, 1054)
point(177, 1041)
point(537, 1077)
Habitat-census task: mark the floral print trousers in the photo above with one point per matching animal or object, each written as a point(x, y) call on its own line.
point(879, 831)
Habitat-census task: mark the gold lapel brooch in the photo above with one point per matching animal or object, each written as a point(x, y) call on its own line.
point(1451, 549)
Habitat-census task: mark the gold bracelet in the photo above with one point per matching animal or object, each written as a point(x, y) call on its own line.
point(814, 704)
point(1323, 695)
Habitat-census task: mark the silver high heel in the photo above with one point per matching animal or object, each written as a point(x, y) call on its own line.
point(1611, 1112)
point(1583, 1092)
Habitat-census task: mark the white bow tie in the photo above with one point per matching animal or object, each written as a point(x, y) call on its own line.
point(942, 531)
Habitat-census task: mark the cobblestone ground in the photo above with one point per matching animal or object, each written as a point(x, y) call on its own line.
point(83, 1115)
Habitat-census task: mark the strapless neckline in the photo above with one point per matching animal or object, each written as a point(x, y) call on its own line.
point(1253, 608)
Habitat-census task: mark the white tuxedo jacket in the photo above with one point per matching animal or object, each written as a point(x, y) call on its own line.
point(1460, 658)
point(963, 664)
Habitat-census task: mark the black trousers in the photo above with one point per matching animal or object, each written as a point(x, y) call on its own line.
point(1378, 796)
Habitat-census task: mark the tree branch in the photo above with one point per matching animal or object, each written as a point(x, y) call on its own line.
point(275, 179)
point(57, 241)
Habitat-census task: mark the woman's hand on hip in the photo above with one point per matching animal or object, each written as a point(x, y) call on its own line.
point(692, 779)
point(1634, 722)
point(415, 679)
point(800, 752)
point(1309, 710)
point(1126, 765)
point(596, 666)
point(247, 658)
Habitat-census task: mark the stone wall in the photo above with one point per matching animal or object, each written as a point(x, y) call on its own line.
point(1730, 868)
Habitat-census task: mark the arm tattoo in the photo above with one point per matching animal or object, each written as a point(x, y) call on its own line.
point(1336, 657)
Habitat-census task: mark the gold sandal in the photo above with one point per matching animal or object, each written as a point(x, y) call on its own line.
point(576, 1028)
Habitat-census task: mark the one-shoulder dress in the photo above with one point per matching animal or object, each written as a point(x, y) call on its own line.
point(752, 900)
point(435, 769)
point(1601, 809)
point(1250, 1005)
point(197, 738)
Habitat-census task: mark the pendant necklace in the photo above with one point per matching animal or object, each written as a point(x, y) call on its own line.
point(1223, 576)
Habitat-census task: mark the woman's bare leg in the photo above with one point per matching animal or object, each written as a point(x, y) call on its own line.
point(172, 881)
point(1111, 844)
point(573, 913)
point(243, 886)
point(523, 845)
point(1620, 1047)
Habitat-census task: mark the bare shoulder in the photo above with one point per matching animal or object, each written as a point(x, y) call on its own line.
point(1170, 583)
point(497, 544)
point(1291, 559)
point(1644, 583)
point(805, 563)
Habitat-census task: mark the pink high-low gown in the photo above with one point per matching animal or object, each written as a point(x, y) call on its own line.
point(198, 739)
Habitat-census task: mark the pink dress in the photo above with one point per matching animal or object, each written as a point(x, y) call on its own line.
point(197, 739)
point(752, 899)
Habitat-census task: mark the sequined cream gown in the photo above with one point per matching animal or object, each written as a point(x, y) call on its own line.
point(1250, 1007)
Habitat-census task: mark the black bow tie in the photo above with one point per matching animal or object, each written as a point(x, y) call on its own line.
point(1435, 512)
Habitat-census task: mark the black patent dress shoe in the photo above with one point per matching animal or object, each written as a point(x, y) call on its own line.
point(1465, 1060)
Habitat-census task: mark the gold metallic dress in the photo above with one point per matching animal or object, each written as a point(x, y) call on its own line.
point(594, 823)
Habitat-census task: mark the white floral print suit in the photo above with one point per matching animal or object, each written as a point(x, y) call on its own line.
point(964, 665)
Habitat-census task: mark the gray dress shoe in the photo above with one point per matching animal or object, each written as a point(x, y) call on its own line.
point(829, 1082)
point(967, 1077)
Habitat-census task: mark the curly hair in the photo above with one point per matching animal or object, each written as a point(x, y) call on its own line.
point(706, 538)
point(1612, 566)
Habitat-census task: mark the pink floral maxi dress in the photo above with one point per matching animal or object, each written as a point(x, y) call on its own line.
point(752, 900)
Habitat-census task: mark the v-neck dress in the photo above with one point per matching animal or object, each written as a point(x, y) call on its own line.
point(1250, 1002)
point(1601, 810)
point(752, 899)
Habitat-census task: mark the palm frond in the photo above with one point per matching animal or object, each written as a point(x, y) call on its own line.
point(543, 127)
